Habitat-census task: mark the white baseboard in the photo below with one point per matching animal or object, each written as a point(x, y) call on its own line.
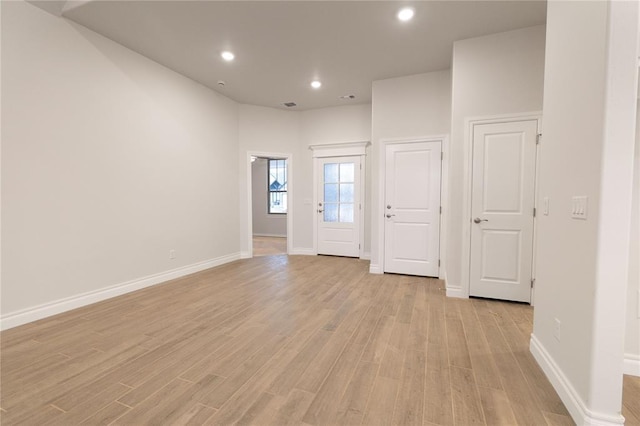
point(303, 251)
point(35, 313)
point(456, 292)
point(375, 269)
point(270, 235)
point(245, 255)
point(366, 255)
point(632, 364)
point(569, 396)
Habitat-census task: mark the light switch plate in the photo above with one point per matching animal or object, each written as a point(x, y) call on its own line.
point(545, 206)
point(579, 207)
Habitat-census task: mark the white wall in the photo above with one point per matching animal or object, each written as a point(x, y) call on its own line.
point(264, 224)
point(632, 341)
point(587, 150)
point(493, 75)
point(415, 106)
point(109, 160)
point(270, 130)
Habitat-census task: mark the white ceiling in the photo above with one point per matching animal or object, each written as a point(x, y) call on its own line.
point(280, 46)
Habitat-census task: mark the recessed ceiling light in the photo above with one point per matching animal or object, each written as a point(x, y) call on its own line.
point(227, 56)
point(316, 84)
point(406, 14)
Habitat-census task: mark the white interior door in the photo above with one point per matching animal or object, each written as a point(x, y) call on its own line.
point(502, 202)
point(412, 208)
point(339, 207)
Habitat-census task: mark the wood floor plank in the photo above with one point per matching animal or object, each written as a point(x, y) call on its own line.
point(409, 406)
point(293, 371)
point(196, 415)
point(438, 405)
point(107, 415)
point(466, 401)
point(281, 340)
point(379, 410)
point(496, 407)
point(482, 362)
point(631, 399)
point(354, 401)
point(562, 420)
point(323, 408)
point(293, 409)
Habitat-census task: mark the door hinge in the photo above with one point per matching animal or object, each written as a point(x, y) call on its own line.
point(440, 209)
point(538, 138)
point(533, 281)
point(360, 166)
point(441, 155)
point(534, 212)
point(358, 246)
point(360, 206)
point(438, 262)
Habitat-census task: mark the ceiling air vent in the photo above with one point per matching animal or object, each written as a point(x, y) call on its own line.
point(347, 97)
point(289, 104)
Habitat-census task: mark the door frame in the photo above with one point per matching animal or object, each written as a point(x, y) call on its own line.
point(345, 149)
point(278, 155)
point(444, 197)
point(467, 186)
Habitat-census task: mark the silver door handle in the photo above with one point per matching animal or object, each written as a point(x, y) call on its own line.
point(389, 215)
point(320, 211)
point(478, 220)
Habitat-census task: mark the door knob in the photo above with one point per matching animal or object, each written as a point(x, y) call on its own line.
point(320, 210)
point(478, 220)
point(388, 206)
point(389, 215)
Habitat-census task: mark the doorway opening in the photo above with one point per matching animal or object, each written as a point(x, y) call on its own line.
point(269, 204)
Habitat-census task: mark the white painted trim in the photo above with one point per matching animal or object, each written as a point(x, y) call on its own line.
point(269, 235)
point(246, 255)
point(632, 364)
point(456, 292)
point(444, 203)
point(339, 149)
point(469, 123)
point(301, 251)
point(290, 197)
point(568, 394)
point(375, 269)
point(444, 193)
point(366, 255)
point(45, 310)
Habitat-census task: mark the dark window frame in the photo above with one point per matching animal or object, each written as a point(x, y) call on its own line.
point(270, 191)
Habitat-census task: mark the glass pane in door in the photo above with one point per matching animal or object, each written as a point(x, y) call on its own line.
point(339, 192)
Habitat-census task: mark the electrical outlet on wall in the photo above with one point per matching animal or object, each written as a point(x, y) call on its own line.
point(556, 328)
point(172, 254)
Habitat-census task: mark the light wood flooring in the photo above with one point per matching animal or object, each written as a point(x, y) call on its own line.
point(280, 340)
point(269, 246)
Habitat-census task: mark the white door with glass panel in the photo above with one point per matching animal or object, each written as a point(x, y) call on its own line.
point(502, 215)
point(338, 209)
point(412, 208)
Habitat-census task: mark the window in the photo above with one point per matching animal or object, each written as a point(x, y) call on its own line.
point(277, 186)
point(339, 183)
